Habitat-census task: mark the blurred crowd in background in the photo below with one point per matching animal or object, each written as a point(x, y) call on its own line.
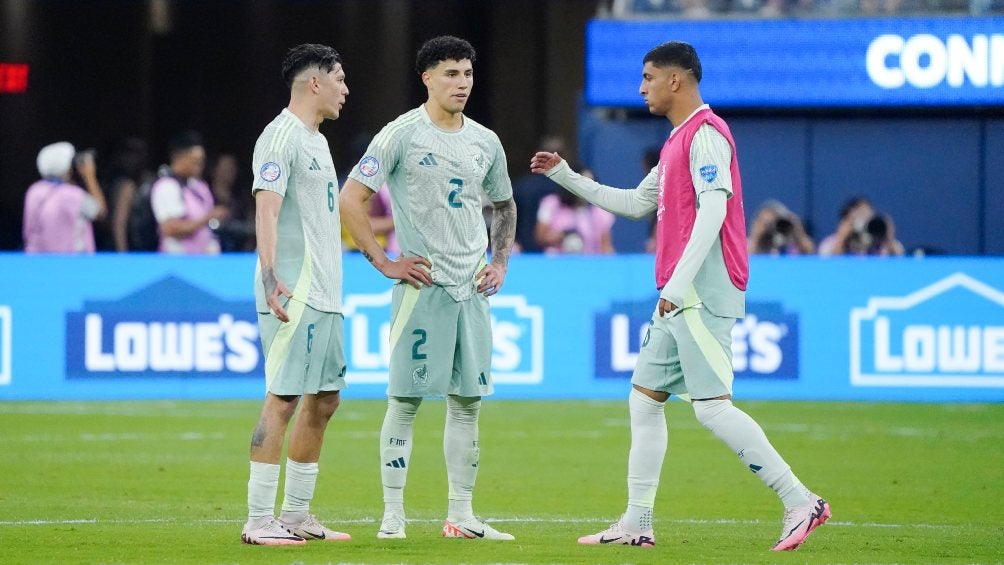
point(196, 199)
point(84, 202)
point(87, 201)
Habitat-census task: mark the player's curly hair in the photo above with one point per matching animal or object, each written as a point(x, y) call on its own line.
point(306, 56)
point(443, 48)
point(675, 54)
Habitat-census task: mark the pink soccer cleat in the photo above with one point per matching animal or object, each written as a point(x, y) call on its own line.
point(800, 521)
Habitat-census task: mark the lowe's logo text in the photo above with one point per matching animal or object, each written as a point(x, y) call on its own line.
point(224, 344)
point(947, 334)
point(926, 61)
point(156, 333)
point(764, 343)
point(517, 339)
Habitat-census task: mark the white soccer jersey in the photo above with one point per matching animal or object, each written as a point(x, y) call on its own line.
point(436, 179)
point(295, 163)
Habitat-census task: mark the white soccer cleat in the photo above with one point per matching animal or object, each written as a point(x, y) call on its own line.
point(472, 528)
point(617, 535)
point(270, 533)
point(800, 521)
point(392, 527)
point(311, 529)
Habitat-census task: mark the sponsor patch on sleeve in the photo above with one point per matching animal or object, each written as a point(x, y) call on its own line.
point(270, 172)
point(369, 166)
point(709, 173)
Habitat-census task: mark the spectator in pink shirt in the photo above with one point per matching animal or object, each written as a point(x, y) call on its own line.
point(569, 224)
point(58, 214)
point(183, 203)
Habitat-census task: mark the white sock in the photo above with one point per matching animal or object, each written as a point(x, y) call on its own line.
point(395, 450)
point(460, 445)
point(262, 488)
point(649, 439)
point(740, 432)
point(300, 481)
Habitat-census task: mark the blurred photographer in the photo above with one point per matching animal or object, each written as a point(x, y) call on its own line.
point(58, 214)
point(776, 230)
point(876, 237)
point(862, 231)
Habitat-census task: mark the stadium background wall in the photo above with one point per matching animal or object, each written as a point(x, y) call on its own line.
point(145, 326)
point(105, 69)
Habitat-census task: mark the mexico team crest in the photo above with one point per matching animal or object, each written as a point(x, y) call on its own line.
point(420, 376)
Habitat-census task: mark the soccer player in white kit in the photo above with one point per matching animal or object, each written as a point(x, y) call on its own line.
point(298, 294)
point(437, 163)
point(701, 272)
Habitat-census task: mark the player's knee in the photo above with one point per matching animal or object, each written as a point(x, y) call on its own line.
point(327, 404)
point(402, 410)
point(280, 407)
point(463, 409)
point(707, 411)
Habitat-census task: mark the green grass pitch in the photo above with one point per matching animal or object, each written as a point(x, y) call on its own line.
point(165, 482)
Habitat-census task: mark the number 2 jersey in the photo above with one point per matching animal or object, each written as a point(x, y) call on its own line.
point(295, 163)
point(436, 180)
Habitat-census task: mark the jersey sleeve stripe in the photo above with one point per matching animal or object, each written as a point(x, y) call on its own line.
point(389, 133)
point(281, 136)
point(710, 145)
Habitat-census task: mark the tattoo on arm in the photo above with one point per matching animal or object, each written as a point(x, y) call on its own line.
point(268, 280)
point(503, 232)
point(366, 255)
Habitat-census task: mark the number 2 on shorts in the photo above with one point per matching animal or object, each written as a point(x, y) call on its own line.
point(415, 353)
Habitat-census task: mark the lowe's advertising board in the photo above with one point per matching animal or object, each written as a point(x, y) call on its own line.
point(934, 61)
point(147, 326)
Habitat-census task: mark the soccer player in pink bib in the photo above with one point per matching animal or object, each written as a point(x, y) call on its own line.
point(701, 270)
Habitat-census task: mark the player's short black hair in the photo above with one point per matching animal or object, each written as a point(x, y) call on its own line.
point(442, 48)
point(675, 54)
point(306, 56)
point(183, 141)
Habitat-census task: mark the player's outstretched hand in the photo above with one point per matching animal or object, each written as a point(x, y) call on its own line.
point(542, 162)
point(412, 270)
point(490, 279)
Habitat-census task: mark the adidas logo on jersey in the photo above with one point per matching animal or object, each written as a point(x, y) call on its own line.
point(397, 463)
point(314, 165)
point(428, 161)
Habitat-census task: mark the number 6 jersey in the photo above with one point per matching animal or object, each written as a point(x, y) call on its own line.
point(295, 163)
